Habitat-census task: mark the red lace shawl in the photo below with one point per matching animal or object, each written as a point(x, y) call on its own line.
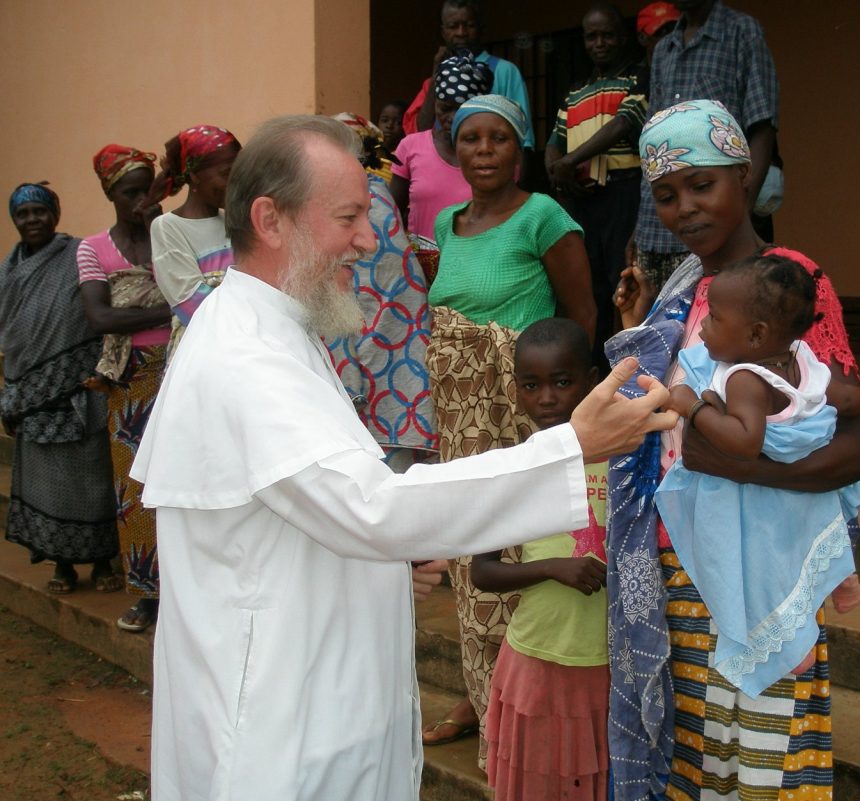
point(828, 337)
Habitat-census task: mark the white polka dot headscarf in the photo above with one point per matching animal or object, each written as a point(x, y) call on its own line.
point(460, 78)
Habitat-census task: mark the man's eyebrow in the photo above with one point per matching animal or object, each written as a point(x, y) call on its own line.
point(349, 206)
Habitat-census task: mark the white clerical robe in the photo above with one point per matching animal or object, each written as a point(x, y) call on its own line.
point(284, 653)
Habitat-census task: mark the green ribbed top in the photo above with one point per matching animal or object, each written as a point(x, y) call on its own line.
point(497, 275)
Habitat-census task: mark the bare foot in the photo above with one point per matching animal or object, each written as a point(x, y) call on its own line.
point(459, 722)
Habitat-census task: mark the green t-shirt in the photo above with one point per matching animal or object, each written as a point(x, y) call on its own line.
point(497, 275)
point(558, 623)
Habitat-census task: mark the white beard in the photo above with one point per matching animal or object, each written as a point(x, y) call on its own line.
point(310, 278)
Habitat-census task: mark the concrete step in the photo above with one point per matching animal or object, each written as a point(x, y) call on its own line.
point(451, 771)
point(84, 617)
point(437, 642)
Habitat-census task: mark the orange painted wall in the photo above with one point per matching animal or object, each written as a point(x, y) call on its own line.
point(816, 55)
point(78, 75)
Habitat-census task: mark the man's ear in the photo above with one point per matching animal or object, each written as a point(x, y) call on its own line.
point(268, 223)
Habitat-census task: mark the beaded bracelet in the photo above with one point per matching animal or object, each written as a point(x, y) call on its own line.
point(694, 410)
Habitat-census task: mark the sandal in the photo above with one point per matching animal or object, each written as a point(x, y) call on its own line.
point(108, 582)
point(462, 730)
point(63, 581)
point(139, 617)
point(103, 577)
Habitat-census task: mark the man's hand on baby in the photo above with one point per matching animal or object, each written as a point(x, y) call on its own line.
point(585, 574)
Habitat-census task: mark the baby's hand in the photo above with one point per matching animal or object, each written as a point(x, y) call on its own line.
point(681, 398)
point(585, 574)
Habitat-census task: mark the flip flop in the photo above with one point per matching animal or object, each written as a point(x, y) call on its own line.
point(62, 585)
point(137, 619)
point(109, 582)
point(463, 730)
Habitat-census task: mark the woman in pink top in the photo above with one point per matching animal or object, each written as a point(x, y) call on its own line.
point(428, 177)
point(104, 261)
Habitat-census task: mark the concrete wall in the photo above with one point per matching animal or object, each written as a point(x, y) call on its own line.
point(815, 51)
point(79, 74)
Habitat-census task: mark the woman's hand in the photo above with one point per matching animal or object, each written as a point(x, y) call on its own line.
point(634, 296)
point(585, 574)
point(148, 213)
point(702, 457)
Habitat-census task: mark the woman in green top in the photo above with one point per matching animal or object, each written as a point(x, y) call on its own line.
point(508, 258)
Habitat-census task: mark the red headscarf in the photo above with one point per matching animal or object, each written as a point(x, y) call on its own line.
point(195, 144)
point(112, 162)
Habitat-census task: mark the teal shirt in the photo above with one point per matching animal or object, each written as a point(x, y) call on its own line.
point(497, 275)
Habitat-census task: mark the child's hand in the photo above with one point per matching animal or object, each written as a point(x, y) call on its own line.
point(585, 574)
point(681, 398)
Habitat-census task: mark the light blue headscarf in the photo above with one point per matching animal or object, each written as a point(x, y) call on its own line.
point(696, 133)
point(506, 108)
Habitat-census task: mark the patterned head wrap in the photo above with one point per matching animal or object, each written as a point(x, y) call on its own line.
point(372, 139)
point(113, 162)
point(696, 133)
point(504, 107)
point(362, 127)
point(461, 77)
point(35, 193)
point(195, 145)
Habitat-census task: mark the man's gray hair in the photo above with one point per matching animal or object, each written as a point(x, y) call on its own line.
point(273, 164)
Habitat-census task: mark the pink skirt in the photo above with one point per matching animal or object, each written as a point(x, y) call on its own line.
point(547, 730)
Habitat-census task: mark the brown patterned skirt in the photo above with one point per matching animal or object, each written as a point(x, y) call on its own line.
point(472, 384)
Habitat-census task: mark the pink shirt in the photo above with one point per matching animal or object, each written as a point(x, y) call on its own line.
point(98, 256)
point(433, 182)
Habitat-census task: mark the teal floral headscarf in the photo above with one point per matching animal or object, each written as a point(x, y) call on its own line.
point(697, 133)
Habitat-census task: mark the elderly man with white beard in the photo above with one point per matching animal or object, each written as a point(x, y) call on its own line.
point(284, 659)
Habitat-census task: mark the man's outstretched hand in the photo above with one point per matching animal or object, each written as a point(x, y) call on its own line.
point(608, 424)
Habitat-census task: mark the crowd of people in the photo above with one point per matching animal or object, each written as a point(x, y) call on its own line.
point(637, 621)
